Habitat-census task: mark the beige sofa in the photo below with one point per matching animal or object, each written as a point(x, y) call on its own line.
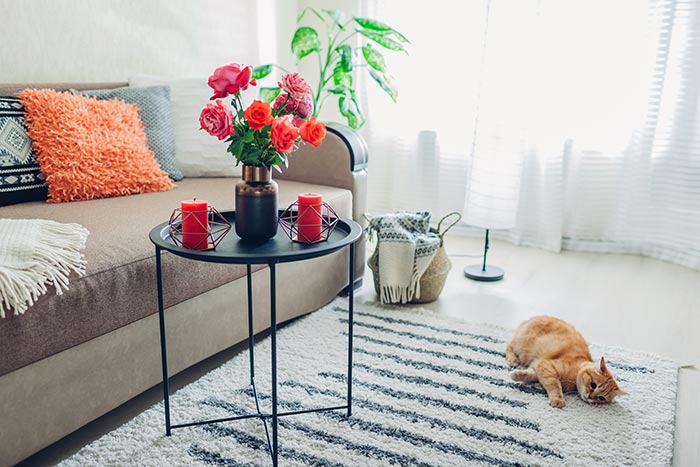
point(70, 359)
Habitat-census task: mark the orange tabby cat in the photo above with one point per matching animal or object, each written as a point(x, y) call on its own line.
point(557, 356)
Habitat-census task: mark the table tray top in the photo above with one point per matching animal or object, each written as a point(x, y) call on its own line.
point(278, 249)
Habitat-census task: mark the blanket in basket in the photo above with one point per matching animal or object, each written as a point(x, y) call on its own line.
point(35, 254)
point(405, 249)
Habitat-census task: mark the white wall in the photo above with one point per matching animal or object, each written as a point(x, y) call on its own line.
point(109, 40)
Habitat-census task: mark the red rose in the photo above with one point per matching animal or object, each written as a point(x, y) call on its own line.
point(313, 132)
point(283, 135)
point(258, 114)
point(217, 120)
point(230, 79)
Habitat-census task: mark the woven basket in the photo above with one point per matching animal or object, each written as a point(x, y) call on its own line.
point(433, 279)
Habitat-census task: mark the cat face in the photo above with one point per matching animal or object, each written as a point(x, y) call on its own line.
point(597, 385)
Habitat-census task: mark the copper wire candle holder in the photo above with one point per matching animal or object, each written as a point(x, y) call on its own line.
point(216, 229)
point(289, 222)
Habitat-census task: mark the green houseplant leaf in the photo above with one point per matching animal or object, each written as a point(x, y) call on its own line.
point(351, 111)
point(269, 94)
point(305, 41)
point(341, 78)
point(385, 83)
point(378, 26)
point(259, 72)
point(373, 58)
point(345, 52)
point(337, 16)
point(312, 10)
point(382, 39)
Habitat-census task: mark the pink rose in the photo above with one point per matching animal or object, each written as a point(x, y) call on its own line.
point(296, 86)
point(230, 79)
point(301, 108)
point(305, 107)
point(217, 120)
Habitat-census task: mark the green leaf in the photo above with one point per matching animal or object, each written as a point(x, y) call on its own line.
point(259, 72)
point(383, 40)
point(340, 90)
point(378, 26)
point(312, 10)
point(305, 41)
point(373, 58)
point(236, 148)
point(269, 94)
point(345, 52)
point(372, 24)
point(337, 16)
point(351, 111)
point(341, 78)
point(386, 83)
point(247, 137)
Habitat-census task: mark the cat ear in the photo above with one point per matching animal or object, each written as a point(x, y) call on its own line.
point(621, 392)
point(603, 368)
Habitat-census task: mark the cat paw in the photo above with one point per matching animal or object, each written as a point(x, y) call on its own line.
point(512, 361)
point(519, 375)
point(511, 358)
point(557, 402)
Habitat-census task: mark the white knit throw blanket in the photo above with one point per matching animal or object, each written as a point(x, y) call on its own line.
point(35, 254)
point(405, 249)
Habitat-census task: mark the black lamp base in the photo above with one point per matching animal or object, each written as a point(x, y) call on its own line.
point(478, 273)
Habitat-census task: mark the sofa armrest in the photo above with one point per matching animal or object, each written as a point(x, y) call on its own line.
point(340, 161)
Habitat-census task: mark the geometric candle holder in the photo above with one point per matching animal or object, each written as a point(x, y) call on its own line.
point(289, 222)
point(216, 229)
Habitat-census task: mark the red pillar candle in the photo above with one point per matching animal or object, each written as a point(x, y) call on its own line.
point(309, 223)
point(195, 224)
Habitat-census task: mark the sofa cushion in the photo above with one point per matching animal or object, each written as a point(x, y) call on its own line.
point(90, 149)
point(156, 115)
point(20, 177)
point(119, 286)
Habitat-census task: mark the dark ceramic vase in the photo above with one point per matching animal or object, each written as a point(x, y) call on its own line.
point(256, 204)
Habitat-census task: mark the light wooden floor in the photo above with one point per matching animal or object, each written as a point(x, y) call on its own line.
point(619, 300)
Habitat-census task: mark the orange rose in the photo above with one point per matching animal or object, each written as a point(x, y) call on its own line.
point(313, 132)
point(283, 135)
point(258, 114)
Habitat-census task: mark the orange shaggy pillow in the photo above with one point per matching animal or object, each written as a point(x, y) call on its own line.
point(89, 148)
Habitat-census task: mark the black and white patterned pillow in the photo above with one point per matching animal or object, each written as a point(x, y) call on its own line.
point(156, 115)
point(20, 177)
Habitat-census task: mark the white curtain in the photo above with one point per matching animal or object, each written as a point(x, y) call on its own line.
point(594, 103)
point(419, 146)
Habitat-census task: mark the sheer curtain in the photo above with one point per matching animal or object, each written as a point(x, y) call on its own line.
point(419, 146)
point(595, 103)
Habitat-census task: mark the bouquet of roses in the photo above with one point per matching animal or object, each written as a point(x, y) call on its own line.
point(261, 134)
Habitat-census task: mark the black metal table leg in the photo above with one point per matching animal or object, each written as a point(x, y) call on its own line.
point(273, 342)
point(163, 350)
point(251, 337)
point(351, 305)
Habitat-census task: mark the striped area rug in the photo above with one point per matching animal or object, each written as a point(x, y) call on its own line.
point(428, 391)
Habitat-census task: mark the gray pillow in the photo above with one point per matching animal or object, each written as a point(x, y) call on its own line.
point(155, 113)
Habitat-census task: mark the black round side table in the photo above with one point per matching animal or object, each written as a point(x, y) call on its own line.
point(279, 249)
